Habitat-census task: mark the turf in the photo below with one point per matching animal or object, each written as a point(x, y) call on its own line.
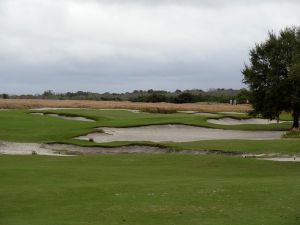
point(148, 189)
point(21, 126)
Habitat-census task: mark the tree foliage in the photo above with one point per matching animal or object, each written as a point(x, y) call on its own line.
point(273, 75)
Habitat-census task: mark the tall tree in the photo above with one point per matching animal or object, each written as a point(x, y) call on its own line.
point(273, 75)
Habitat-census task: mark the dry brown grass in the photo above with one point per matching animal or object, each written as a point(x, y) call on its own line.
point(201, 107)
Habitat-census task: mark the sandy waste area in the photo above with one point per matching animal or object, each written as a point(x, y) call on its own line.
point(231, 121)
point(76, 118)
point(176, 133)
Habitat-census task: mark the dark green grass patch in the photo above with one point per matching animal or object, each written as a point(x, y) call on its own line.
point(148, 189)
point(292, 134)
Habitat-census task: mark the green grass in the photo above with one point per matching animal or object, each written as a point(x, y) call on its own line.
point(292, 134)
point(144, 189)
point(245, 146)
point(147, 190)
point(123, 118)
point(21, 126)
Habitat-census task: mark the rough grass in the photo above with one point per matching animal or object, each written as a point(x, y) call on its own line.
point(292, 134)
point(201, 107)
point(148, 189)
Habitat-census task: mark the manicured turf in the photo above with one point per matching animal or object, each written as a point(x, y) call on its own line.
point(21, 126)
point(148, 189)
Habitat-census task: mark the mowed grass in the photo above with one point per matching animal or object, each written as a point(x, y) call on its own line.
point(124, 118)
point(148, 189)
point(21, 126)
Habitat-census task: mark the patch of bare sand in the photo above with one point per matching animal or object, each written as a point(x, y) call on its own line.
point(78, 150)
point(283, 159)
point(12, 148)
point(76, 118)
point(231, 121)
point(176, 133)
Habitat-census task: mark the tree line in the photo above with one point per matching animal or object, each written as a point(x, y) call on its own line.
point(187, 96)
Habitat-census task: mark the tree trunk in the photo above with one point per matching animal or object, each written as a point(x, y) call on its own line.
point(296, 119)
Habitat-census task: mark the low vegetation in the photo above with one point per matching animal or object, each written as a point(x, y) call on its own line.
point(201, 107)
point(178, 96)
point(292, 134)
point(147, 189)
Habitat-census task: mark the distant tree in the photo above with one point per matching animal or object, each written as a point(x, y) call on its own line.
point(156, 97)
point(273, 75)
point(242, 96)
point(5, 96)
point(48, 93)
point(185, 97)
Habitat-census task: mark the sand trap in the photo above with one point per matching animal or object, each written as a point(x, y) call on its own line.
point(129, 110)
point(176, 133)
point(283, 159)
point(231, 121)
point(238, 113)
point(46, 108)
point(38, 114)
point(11, 148)
point(76, 118)
point(78, 150)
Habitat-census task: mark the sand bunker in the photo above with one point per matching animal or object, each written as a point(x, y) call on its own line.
point(237, 113)
point(176, 133)
point(11, 148)
point(283, 159)
point(46, 108)
point(78, 150)
point(76, 118)
point(231, 121)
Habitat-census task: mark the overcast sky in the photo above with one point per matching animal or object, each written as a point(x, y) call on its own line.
point(123, 45)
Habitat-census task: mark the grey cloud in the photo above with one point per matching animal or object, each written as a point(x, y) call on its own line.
point(101, 45)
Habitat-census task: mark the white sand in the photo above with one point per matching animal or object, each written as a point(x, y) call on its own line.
point(76, 118)
point(283, 159)
point(176, 133)
point(46, 108)
point(230, 121)
point(238, 113)
point(11, 148)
